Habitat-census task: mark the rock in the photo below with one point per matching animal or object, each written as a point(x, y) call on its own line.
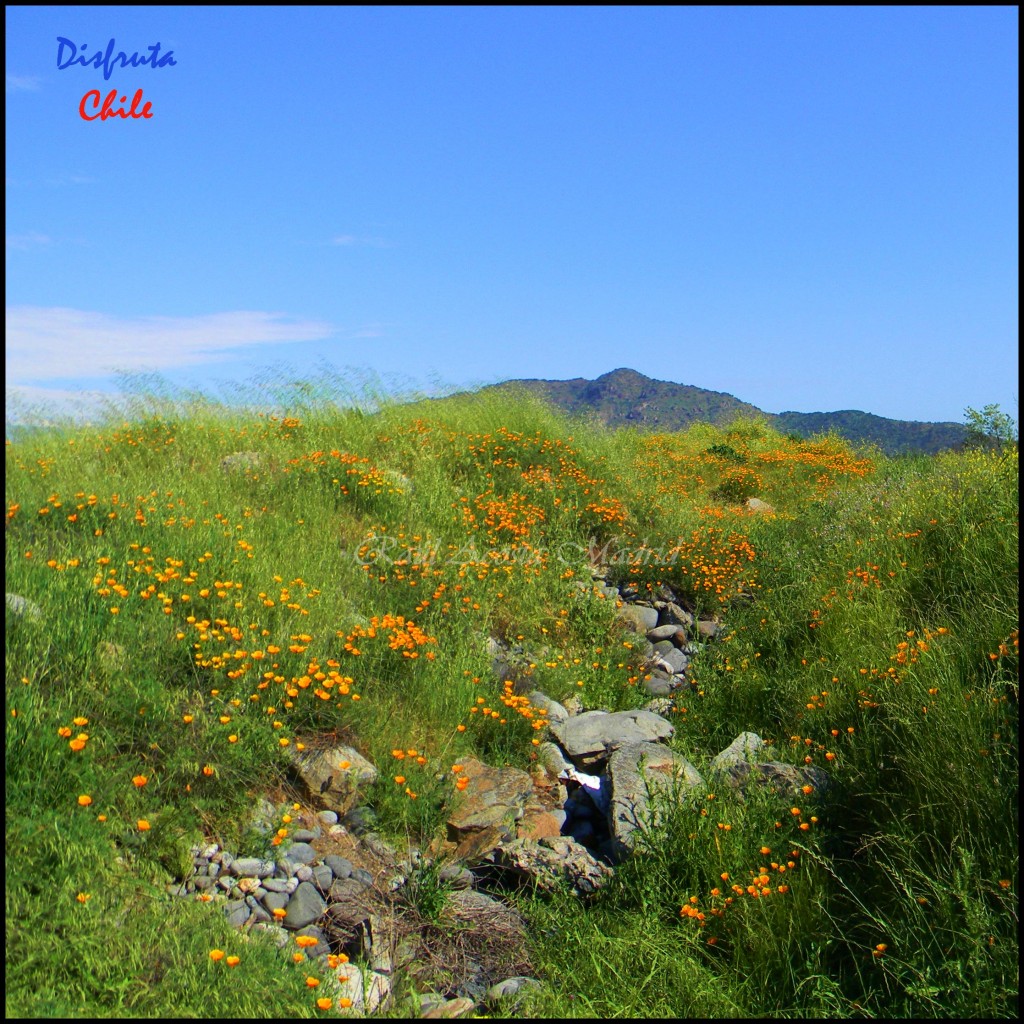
point(276, 900)
point(709, 628)
point(637, 618)
point(673, 614)
point(671, 631)
point(494, 797)
point(278, 885)
point(745, 747)
point(658, 686)
point(328, 817)
point(252, 867)
point(305, 907)
point(306, 835)
point(242, 462)
point(589, 738)
point(456, 877)
point(640, 773)
point(22, 608)
point(341, 867)
point(549, 756)
point(349, 982)
point(360, 819)
point(482, 910)
point(785, 779)
point(555, 711)
point(323, 877)
point(676, 660)
point(757, 505)
point(300, 853)
point(538, 824)
point(512, 987)
point(362, 877)
point(350, 905)
point(237, 912)
point(552, 864)
point(448, 1008)
point(304, 873)
point(334, 776)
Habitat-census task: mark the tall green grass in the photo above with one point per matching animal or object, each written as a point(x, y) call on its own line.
point(871, 627)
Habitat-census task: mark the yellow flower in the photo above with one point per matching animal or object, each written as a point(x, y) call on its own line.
point(233, 961)
point(232, 738)
point(187, 719)
point(143, 825)
point(216, 954)
point(83, 897)
point(324, 1003)
point(312, 982)
point(305, 941)
point(84, 800)
point(139, 781)
point(80, 721)
point(207, 770)
point(344, 1002)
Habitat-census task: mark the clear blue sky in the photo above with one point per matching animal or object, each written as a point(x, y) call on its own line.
point(810, 208)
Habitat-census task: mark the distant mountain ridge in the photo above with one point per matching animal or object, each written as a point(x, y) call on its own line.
point(626, 398)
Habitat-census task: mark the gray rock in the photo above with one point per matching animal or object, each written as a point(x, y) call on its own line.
point(757, 505)
point(276, 884)
point(306, 835)
point(341, 867)
point(709, 628)
point(323, 876)
point(658, 686)
point(552, 863)
point(300, 853)
point(673, 614)
point(362, 876)
point(209, 852)
point(512, 987)
point(746, 747)
point(676, 660)
point(637, 618)
point(242, 462)
point(359, 819)
point(641, 776)
point(328, 817)
point(669, 632)
point(204, 882)
point(252, 867)
point(555, 711)
point(785, 779)
point(237, 912)
point(213, 870)
point(276, 900)
point(304, 873)
point(660, 706)
point(589, 738)
point(549, 755)
point(22, 608)
point(305, 907)
point(456, 876)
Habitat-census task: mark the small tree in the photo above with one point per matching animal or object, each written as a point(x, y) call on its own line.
point(991, 428)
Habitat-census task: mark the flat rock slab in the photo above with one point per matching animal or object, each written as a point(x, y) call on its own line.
point(785, 779)
point(334, 776)
point(493, 798)
point(642, 775)
point(746, 747)
point(590, 738)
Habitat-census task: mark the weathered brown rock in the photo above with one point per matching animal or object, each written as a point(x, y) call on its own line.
point(334, 776)
point(553, 863)
point(495, 797)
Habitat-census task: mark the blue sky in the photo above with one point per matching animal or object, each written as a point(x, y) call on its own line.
point(810, 208)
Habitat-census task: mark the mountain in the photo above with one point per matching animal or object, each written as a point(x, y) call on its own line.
point(625, 398)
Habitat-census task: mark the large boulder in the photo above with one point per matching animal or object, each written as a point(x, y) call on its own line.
point(641, 776)
point(590, 738)
point(637, 618)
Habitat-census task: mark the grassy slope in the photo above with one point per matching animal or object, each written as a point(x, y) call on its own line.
point(881, 643)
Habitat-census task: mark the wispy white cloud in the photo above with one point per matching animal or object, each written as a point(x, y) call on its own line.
point(26, 240)
point(353, 240)
point(26, 404)
point(45, 343)
point(22, 83)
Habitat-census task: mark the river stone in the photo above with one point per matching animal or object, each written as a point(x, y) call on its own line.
point(300, 853)
point(589, 738)
point(676, 660)
point(236, 912)
point(323, 876)
point(276, 900)
point(638, 774)
point(757, 505)
point(673, 614)
point(341, 867)
point(671, 631)
point(658, 686)
point(325, 778)
point(305, 907)
point(494, 797)
point(328, 817)
point(512, 987)
point(252, 867)
point(637, 618)
point(304, 873)
point(349, 983)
